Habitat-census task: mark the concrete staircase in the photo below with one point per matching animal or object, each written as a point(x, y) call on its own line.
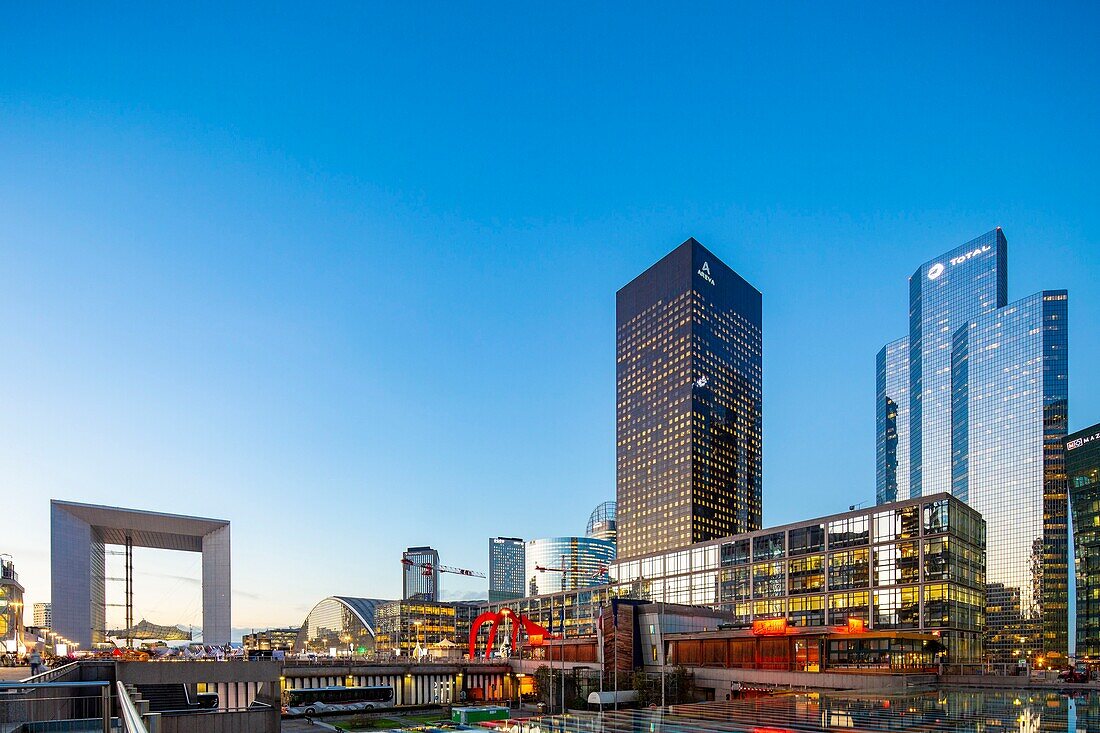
point(165, 697)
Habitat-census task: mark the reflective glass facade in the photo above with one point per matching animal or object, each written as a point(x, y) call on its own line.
point(402, 625)
point(601, 522)
point(945, 294)
point(339, 625)
point(584, 560)
point(1011, 388)
point(892, 422)
point(1083, 472)
point(506, 568)
point(917, 564)
point(688, 403)
point(418, 582)
point(986, 399)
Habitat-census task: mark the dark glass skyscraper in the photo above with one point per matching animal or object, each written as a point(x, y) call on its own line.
point(986, 398)
point(1083, 472)
point(688, 387)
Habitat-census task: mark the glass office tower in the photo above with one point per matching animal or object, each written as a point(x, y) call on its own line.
point(688, 389)
point(506, 563)
point(420, 574)
point(1083, 472)
point(892, 418)
point(567, 563)
point(945, 294)
point(987, 404)
point(1010, 391)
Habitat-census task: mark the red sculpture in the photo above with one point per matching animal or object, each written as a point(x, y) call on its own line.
point(536, 634)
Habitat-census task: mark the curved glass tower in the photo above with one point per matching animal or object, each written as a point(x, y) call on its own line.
point(567, 563)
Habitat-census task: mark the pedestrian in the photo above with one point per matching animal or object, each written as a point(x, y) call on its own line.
point(36, 662)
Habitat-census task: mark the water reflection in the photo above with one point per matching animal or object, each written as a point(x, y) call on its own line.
point(931, 711)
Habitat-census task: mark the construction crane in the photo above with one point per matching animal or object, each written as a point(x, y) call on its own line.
point(594, 574)
point(427, 568)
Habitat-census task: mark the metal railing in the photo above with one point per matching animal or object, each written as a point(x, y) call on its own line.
point(128, 715)
point(56, 705)
point(53, 674)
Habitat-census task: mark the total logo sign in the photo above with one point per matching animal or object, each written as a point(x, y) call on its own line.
point(704, 272)
point(937, 269)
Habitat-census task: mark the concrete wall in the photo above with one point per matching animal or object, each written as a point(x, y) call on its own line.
point(71, 576)
point(216, 581)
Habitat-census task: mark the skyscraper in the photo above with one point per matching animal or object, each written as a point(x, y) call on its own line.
point(892, 415)
point(986, 399)
point(420, 574)
point(945, 294)
point(1083, 472)
point(506, 563)
point(688, 388)
point(43, 615)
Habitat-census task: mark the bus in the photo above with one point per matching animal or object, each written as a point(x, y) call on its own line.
point(308, 701)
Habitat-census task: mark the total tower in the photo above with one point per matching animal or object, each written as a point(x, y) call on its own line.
point(973, 400)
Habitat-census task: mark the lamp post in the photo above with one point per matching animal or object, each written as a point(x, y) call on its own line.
point(418, 624)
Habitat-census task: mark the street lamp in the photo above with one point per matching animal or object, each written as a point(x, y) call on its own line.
point(418, 624)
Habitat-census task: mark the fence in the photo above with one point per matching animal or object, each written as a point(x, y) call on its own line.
point(56, 705)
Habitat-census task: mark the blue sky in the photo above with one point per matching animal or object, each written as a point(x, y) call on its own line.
point(345, 275)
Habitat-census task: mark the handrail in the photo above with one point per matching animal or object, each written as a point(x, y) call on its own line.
point(127, 713)
point(52, 674)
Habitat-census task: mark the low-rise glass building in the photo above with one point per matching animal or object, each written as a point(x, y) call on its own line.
point(915, 565)
point(912, 566)
point(339, 626)
point(1083, 472)
point(405, 625)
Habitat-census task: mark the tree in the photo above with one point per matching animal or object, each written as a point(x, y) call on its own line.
point(542, 684)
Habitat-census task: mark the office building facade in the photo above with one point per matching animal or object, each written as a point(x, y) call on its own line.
point(420, 574)
point(688, 403)
point(506, 568)
point(986, 400)
point(407, 628)
point(555, 564)
point(917, 564)
point(892, 418)
point(1083, 474)
point(43, 615)
point(271, 639)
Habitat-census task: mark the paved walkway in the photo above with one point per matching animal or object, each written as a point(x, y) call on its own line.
point(14, 674)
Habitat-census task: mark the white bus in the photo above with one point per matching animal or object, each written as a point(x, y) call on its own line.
point(308, 701)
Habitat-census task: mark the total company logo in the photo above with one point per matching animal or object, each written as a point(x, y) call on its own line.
point(937, 269)
point(1078, 442)
point(704, 272)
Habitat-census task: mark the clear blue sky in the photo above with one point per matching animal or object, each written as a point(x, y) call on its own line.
point(345, 274)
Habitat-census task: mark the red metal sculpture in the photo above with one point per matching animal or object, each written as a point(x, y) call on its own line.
point(536, 634)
